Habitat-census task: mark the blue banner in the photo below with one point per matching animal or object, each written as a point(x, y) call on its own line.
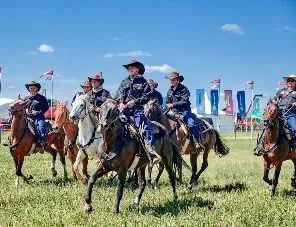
point(214, 102)
point(164, 102)
point(241, 104)
point(200, 101)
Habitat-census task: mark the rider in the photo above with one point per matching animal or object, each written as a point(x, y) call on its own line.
point(132, 94)
point(37, 106)
point(98, 95)
point(177, 101)
point(86, 87)
point(154, 93)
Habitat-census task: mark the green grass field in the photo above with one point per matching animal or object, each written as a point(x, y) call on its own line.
point(231, 193)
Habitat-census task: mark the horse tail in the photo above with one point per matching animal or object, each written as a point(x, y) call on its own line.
point(178, 161)
point(221, 148)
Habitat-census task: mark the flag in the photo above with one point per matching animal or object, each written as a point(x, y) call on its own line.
point(200, 101)
point(0, 77)
point(250, 84)
point(215, 84)
point(228, 102)
point(47, 75)
point(214, 102)
point(241, 104)
point(256, 106)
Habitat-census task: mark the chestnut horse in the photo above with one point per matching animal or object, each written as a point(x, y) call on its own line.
point(210, 139)
point(22, 141)
point(130, 154)
point(273, 145)
point(71, 130)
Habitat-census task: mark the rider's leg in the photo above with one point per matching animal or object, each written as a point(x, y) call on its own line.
point(40, 123)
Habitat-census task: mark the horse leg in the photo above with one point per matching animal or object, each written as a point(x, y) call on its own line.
point(121, 181)
point(100, 171)
point(84, 168)
point(79, 158)
point(63, 161)
point(276, 177)
point(149, 175)
point(204, 164)
point(266, 172)
point(17, 180)
point(142, 184)
point(19, 163)
point(293, 179)
point(160, 171)
point(72, 160)
point(193, 162)
point(53, 153)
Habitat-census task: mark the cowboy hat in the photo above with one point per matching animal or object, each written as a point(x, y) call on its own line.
point(137, 64)
point(150, 81)
point(97, 76)
point(289, 77)
point(86, 84)
point(174, 75)
point(33, 83)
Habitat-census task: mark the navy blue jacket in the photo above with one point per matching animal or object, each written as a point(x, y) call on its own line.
point(99, 97)
point(37, 103)
point(136, 89)
point(179, 97)
point(156, 95)
point(286, 99)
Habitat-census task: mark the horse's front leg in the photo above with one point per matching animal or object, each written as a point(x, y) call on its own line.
point(121, 181)
point(79, 158)
point(293, 179)
point(142, 184)
point(193, 162)
point(18, 165)
point(266, 172)
point(276, 177)
point(204, 164)
point(160, 171)
point(53, 153)
point(100, 171)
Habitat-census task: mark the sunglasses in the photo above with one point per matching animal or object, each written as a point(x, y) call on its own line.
point(290, 80)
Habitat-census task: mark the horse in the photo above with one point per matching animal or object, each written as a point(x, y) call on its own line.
point(129, 154)
point(71, 131)
point(274, 146)
point(88, 139)
point(21, 141)
point(210, 139)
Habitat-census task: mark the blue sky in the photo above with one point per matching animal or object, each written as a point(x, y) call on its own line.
point(203, 40)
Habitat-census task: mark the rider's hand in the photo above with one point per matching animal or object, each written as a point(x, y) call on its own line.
point(121, 106)
point(28, 112)
point(97, 109)
point(294, 104)
point(92, 108)
point(130, 103)
point(170, 105)
point(34, 112)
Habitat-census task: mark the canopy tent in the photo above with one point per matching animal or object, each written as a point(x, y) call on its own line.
point(4, 101)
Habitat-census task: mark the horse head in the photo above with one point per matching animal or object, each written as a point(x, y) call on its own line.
point(109, 114)
point(80, 108)
point(61, 116)
point(271, 113)
point(153, 110)
point(18, 107)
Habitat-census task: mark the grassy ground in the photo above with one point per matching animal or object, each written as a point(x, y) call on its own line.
point(231, 193)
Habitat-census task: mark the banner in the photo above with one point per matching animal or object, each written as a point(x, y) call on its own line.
point(256, 106)
point(0, 78)
point(241, 104)
point(214, 102)
point(228, 102)
point(200, 101)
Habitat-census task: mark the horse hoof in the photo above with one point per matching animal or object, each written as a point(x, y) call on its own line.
point(88, 208)
point(54, 173)
point(30, 177)
point(268, 181)
point(116, 210)
point(189, 187)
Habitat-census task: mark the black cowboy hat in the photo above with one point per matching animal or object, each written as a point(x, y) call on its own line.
point(137, 64)
point(150, 81)
point(174, 75)
point(86, 84)
point(33, 83)
point(97, 76)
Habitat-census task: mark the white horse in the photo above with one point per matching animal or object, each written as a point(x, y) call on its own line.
point(88, 139)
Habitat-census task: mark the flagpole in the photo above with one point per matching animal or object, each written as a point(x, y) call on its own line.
point(218, 122)
point(51, 98)
point(252, 110)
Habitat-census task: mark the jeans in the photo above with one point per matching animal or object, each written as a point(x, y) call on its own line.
point(191, 120)
point(40, 125)
point(141, 121)
point(291, 118)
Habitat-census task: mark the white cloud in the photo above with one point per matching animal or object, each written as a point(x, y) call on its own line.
point(136, 53)
point(108, 55)
point(234, 28)
point(117, 38)
point(32, 52)
point(44, 48)
point(159, 68)
point(289, 28)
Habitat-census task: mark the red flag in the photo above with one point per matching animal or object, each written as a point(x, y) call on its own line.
point(216, 83)
point(47, 75)
point(228, 102)
point(250, 84)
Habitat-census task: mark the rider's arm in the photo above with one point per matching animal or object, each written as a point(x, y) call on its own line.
point(184, 98)
point(145, 95)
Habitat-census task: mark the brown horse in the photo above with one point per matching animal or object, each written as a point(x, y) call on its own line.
point(210, 139)
point(22, 141)
point(130, 155)
point(71, 130)
point(274, 146)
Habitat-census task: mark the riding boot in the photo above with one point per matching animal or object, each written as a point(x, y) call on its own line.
point(198, 145)
point(151, 153)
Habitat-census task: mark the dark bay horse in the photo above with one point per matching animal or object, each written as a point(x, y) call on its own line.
point(210, 139)
point(21, 141)
point(71, 131)
point(275, 146)
point(130, 155)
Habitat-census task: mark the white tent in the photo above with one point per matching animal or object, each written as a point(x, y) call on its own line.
point(4, 101)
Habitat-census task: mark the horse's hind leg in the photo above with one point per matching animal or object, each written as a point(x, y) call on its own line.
point(142, 184)
point(84, 168)
point(204, 164)
point(79, 158)
point(266, 172)
point(276, 177)
point(100, 171)
point(293, 179)
point(160, 171)
point(120, 186)
point(193, 162)
point(53, 153)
